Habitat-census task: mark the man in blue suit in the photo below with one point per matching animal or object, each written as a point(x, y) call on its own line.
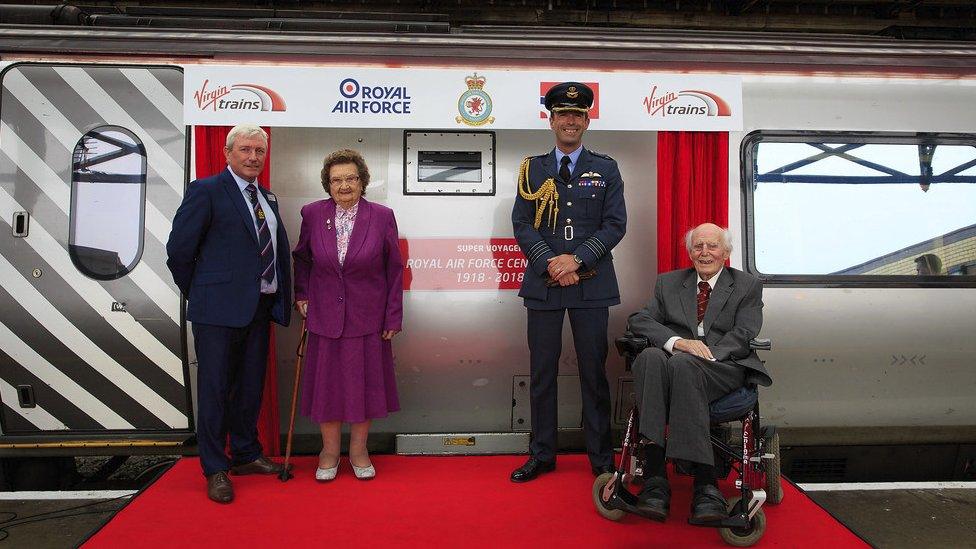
point(568, 216)
point(229, 255)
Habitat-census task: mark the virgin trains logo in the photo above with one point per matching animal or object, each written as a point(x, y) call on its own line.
point(686, 102)
point(238, 97)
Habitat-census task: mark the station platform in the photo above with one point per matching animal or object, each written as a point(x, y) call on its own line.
point(432, 502)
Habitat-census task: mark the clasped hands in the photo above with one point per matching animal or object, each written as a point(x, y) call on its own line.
point(302, 307)
point(562, 269)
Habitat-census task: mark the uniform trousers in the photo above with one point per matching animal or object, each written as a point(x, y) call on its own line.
point(675, 391)
point(545, 331)
point(231, 364)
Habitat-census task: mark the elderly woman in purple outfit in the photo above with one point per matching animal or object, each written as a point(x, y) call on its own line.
point(349, 287)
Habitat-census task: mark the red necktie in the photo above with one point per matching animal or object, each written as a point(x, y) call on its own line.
point(704, 290)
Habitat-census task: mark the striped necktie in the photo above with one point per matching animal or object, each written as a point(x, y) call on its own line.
point(264, 236)
point(704, 290)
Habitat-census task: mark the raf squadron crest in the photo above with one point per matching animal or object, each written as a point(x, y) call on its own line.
point(474, 105)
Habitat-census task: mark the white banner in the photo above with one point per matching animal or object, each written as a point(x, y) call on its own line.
point(422, 98)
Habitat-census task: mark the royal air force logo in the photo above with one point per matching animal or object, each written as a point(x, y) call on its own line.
point(474, 105)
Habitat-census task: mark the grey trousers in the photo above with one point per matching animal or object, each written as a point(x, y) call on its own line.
point(675, 391)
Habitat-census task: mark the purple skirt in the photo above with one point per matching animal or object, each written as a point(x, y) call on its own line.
point(348, 379)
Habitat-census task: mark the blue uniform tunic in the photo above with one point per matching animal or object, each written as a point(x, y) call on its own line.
point(592, 219)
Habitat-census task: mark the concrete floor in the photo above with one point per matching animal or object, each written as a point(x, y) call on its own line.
point(912, 519)
point(34, 523)
point(915, 519)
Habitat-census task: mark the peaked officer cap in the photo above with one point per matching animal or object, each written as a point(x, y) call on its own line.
point(569, 96)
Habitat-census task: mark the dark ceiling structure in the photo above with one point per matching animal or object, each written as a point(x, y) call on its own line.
point(953, 20)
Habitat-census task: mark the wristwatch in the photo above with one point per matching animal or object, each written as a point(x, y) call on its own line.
point(577, 259)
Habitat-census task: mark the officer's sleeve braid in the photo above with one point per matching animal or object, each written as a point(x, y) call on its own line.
point(538, 250)
point(595, 246)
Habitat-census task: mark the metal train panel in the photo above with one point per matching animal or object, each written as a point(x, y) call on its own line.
point(92, 163)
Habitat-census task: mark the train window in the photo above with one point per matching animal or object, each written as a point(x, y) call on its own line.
point(108, 197)
point(860, 208)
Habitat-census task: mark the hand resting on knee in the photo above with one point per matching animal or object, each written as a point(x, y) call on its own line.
point(694, 347)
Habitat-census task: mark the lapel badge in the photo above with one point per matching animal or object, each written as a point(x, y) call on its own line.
point(271, 197)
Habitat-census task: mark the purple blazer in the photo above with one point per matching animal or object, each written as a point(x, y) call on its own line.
point(363, 296)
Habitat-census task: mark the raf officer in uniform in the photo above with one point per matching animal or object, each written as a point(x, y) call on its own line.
point(567, 218)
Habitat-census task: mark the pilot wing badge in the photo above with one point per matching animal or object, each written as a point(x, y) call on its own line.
point(592, 179)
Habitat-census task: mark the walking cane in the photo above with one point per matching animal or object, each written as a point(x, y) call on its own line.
point(286, 474)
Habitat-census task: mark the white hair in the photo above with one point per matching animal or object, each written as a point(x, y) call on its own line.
point(246, 131)
point(726, 238)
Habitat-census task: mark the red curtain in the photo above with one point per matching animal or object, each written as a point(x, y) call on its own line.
point(209, 142)
point(692, 188)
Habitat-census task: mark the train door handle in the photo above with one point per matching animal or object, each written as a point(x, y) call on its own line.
point(20, 224)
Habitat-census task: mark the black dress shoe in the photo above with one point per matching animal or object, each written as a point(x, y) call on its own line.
point(597, 471)
point(260, 466)
point(532, 469)
point(654, 499)
point(708, 504)
point(219, 488)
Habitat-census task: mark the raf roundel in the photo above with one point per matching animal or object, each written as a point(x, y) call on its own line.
point(349, 88)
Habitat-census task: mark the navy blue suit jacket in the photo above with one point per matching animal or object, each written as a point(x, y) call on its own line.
point(592, 201)
point(214, 257)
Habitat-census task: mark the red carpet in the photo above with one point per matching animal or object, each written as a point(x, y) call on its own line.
point(430, 502)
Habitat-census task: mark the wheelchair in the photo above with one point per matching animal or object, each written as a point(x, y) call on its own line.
point(755, 460)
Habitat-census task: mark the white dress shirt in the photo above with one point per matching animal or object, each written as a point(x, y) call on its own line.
point(669, 346)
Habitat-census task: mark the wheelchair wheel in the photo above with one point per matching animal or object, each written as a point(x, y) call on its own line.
point(744, 537)
point(774, 485)
point(601, 506)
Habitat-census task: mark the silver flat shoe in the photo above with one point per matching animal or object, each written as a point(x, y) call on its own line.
point(364, 473)
point(326, 474)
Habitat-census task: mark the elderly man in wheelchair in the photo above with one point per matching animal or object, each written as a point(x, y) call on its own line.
point(699, 369)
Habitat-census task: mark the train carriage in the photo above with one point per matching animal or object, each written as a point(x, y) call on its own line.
point(849, 160)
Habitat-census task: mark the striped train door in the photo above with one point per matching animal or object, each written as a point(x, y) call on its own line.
point(92, 169)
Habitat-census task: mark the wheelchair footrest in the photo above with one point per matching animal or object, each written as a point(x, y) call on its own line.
point(625, 501)
point(737, 520)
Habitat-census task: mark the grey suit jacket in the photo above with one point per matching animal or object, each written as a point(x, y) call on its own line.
point(733, 317)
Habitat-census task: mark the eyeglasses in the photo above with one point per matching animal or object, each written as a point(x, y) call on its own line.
point(350, 179)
